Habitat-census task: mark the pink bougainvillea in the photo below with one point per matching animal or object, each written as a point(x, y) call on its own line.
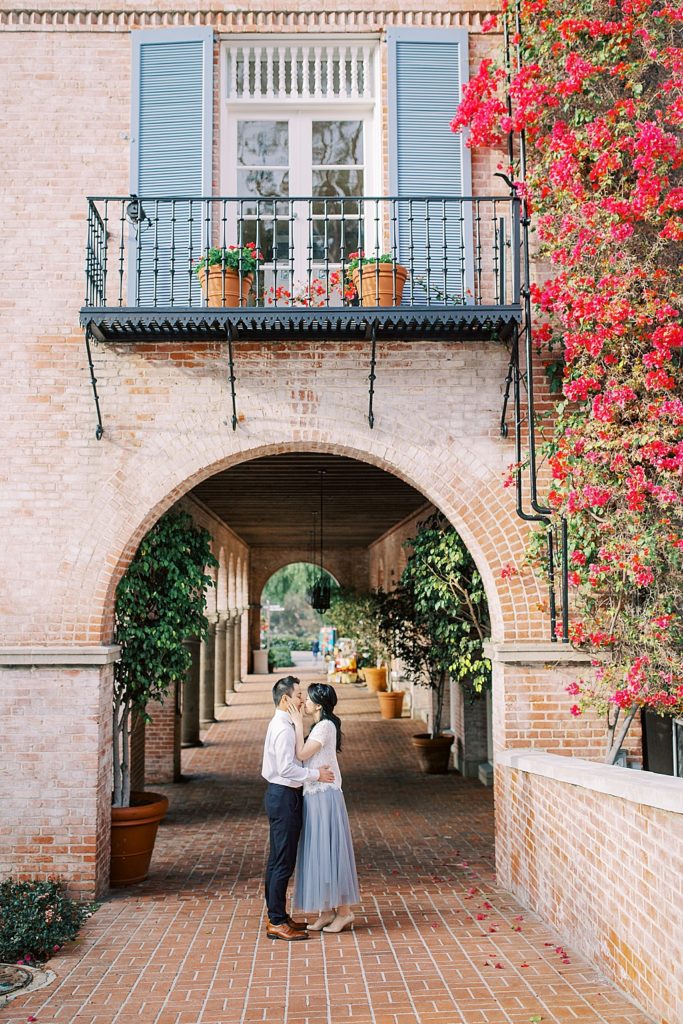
point(598, 91)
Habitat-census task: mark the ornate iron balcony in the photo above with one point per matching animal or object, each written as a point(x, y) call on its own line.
point(457, 260)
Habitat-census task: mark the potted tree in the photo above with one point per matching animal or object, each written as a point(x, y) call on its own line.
point(354, 615)
point(378, 280)
point(159, 603)
point(359, 615)
point(227, 274)
point(437, 621)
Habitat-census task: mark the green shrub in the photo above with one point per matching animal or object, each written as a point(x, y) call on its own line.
point(280, 656)
point(281, 647)
point(36, 919)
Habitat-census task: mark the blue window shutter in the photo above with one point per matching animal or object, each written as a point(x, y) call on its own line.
point(171, 143)
point(427, 69)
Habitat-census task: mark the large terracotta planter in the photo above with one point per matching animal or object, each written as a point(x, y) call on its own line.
point(375, 678)
point(433, 754)
point(211, 280)
point(391, 703)
point(376, 284)
point(133, 831)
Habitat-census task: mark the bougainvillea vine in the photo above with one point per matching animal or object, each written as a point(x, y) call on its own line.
point(597, 90)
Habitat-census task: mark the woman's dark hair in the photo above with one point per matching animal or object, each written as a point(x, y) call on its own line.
point(326, 699)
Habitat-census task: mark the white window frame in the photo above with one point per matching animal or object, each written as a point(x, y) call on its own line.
point(301, 110)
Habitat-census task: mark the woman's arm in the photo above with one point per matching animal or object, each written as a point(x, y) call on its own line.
point(305, 749)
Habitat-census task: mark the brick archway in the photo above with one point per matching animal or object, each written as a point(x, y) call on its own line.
point(467, 492)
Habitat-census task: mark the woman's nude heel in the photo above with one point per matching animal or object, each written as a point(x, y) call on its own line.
point(339, 924)
point(322, 922)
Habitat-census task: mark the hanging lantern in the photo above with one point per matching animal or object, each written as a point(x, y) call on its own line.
point(319, 594)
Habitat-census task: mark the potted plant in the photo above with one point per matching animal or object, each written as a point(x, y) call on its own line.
point(437, 621)
point(227, 274)
point(378, 280)
point(359, 615)
point(159, 603)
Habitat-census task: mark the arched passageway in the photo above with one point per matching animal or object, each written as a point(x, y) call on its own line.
point(350, 516)
point(462, 480)
point(435, 940)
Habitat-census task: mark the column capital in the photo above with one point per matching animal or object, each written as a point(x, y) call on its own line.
point(533, 652)
point(84, 656)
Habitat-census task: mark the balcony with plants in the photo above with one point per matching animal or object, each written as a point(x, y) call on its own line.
point(187, 268)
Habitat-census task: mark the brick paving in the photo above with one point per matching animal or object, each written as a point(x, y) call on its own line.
point(435, 939)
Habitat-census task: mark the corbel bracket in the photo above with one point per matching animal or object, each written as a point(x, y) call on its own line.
point(231, 364)
point(372, 375)
point(99, 429)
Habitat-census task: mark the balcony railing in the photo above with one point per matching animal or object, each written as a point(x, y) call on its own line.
point(460, 255)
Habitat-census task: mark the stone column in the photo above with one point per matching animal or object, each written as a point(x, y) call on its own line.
point(229, 659)
point(190, 698)
point(207, 653)
point(254, 632)
point(237, 627)
point(219, 662)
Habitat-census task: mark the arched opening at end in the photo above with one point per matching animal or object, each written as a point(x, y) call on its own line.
point(290, 624)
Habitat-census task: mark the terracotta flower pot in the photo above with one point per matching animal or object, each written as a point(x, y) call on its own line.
point(375, 678)
point(376, 284)
point(433, 754)
point(211, 280)
point(391, 703)
point(133, 831)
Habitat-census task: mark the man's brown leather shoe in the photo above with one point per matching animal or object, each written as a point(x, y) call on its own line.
point(298, 926)
point(284, 931)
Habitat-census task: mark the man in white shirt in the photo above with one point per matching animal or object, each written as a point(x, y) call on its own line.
point(284, 806)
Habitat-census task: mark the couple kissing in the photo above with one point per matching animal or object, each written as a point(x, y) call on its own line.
point(309, 826)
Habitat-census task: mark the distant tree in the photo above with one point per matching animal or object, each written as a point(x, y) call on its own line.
point(289, 587)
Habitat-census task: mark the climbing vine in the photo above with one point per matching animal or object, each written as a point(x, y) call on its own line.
point(598, 92)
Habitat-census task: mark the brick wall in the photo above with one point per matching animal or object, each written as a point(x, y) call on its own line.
point(162, 740)
point(531, 704)
point(470, 732)
point(55, 774)
point(598, 852)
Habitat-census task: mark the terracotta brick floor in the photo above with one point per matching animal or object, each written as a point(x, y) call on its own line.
point(435, 941)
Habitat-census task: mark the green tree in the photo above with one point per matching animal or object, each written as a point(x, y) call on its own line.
point(288, 587)
point(358, 616)
point(437, 618)
point(159, 604)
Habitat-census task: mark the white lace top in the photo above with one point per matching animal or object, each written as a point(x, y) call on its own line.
point(324, 732)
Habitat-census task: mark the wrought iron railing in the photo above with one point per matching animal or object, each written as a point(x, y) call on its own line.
point(143, 252)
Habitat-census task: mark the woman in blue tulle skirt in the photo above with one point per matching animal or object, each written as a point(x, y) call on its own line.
point(326, 880)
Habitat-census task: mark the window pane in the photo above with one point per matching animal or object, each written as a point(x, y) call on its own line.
point(263, 143)
point(268, 184)
point(333, 238)
point(261, 233)
point(337, 183)
point(337, 142)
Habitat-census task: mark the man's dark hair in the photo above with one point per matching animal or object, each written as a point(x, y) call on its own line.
point(284, 686)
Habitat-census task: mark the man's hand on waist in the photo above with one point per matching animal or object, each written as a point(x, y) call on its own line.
point(325, 774)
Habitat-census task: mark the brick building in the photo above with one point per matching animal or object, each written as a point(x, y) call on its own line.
point(265, 104)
